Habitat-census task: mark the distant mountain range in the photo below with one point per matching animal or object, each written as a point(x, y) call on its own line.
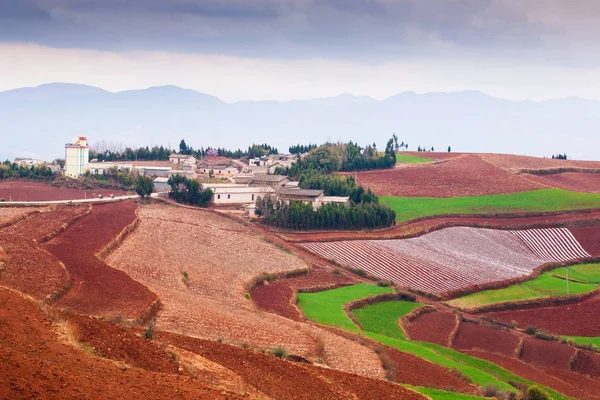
point(36, 122)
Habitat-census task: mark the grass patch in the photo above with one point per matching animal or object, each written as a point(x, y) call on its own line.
point(436, 394)
point(410, 159)
point(383, 317)
point(589, 273)
point(546, 285)
point(379, 320)
point(586, 341)
point(543, 200)
point(327, 307)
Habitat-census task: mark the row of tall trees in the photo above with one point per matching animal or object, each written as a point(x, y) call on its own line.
point(559, 156)
point(300, 148)
point(188, 191)
point(302, 216)
point(156, 153)
point(12, 170)
point(256, 150)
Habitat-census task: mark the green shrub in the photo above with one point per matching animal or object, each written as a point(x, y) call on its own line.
point(491, 391)
point(530, 330)
point(247, 296)
point(383, 283)
point(279, 352)
point(360, 272)
point(149, 332)
point(535, 393)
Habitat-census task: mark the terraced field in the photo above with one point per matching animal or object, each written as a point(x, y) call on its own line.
point(453, 258)
point(380, 323)
point(585, 278)
point(533, 201)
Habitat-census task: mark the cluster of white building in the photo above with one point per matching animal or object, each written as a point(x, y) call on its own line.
point(244, 183)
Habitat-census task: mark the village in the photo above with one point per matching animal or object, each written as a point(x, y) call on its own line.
point(234, 183)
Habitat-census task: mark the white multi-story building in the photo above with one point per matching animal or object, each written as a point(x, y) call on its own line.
point(77, 156)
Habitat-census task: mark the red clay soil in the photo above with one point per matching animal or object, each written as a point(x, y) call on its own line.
point(577, 319)
point(114, 342)
point(589, 237)
point(413, 370)
point(35, 363)
point(29, 269)
point(434, 327)
point(468, 175)
point(286, 380)
point(511, 161)
point(480, 337)
point(98, 289)
point(575, 181)
point(276, 296)
point(587, 363)
point(539, 375)
point(567, 219)
point(20, 190)
point(547, 354)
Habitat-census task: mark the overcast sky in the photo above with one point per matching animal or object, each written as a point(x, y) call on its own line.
point(293, 49)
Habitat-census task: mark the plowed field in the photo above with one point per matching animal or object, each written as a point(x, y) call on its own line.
point(587, 363)
point(589, 237)
point(412, 229)
point(479, 337)
point(30, 269)
point(568, 387)
point(98, 289)
point(511, 161)
point(432, 327)
point(276, 296)
point(575, 181)
point(18, 190)
point(220, 256)
point(10, 214)
point(35, 363)
point(579, 319)
point(284, 380)
point(468, 175)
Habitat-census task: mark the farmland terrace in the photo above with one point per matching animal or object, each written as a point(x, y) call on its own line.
point(454, 259)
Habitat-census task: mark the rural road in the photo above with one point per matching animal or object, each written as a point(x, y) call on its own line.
point(93, 200)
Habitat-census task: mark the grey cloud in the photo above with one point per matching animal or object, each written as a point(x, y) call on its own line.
point(355, 29)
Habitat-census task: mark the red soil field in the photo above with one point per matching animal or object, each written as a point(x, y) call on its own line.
point(29, 269)
point(436, 155)
point(511, 161)
point(35, 363)
point(434, 327)
point(468, 175)
point(98, 289)
point(285, 380)
point(575, 181)
point(577, 319)
point(541, 376)
point(19, 190)
point(545, 353)
point(413, 370)
point(418, 228)
point(589, 237)
point(587, 363)
point(276, 296)
point(113, 342)
point(484, 338)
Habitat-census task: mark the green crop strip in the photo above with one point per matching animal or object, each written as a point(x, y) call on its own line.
point(543, 200)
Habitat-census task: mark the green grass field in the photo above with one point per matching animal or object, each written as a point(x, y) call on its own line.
point(589, 273)
point(436, 394)
point(410, 159)
point(546, 285)
point(594, 341)
point(543, 200)
point(382, 320)
point(327, 307)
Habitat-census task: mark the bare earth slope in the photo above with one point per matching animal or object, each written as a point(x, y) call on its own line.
point(219, 256)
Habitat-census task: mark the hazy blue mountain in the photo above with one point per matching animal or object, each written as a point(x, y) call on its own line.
point(38, 121)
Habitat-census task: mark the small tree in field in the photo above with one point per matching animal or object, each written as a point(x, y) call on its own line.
point(144, 186)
